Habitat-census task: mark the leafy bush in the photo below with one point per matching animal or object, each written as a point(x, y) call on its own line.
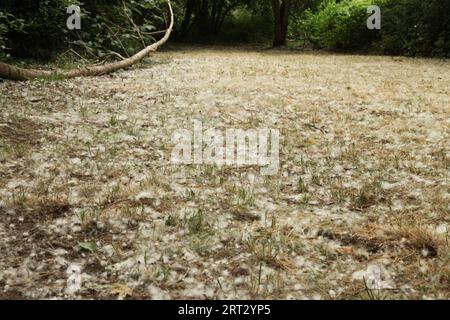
point(416, 27)
point(7, 23)
point(107, 26)
point(43, 33)
point(3, 30)
point(118, 26)
point(243, 25)
point(339, 25)
point(409, 27)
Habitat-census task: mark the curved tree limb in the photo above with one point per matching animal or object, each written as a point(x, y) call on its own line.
point(10, 72)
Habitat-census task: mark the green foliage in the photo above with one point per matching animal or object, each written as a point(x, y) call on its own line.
point(3, 30)
point(123, 28)
point(203, 20)
point(409, 27)
point(116, 26)
point(111, 28)
point(416, 27)
point(339, 25)
point(245, 26)
point(8, 23)
point(43, 33)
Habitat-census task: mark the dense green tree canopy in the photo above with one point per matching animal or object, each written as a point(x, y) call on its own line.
point(30, 28)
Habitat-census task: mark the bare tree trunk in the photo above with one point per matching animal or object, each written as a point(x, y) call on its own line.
point(281, 10)
point(187, 20)
point(14, 73)
point(221, 13)
point(203, 17)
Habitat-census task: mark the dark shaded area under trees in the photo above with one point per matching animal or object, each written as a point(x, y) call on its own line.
point(115, 28)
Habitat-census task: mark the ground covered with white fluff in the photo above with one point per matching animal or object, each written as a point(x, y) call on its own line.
point(358, 209)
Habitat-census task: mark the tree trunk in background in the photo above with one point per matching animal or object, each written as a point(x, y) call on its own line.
point(15, 73)
point(203, 17)
point(281, 10)
point(210, 16)
point(220, 15)
point(187, 20)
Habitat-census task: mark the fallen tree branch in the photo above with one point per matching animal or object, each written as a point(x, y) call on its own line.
point(113, 53)
point(10, 72)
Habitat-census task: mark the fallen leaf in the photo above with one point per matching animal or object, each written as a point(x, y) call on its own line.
point(345, 250)
point(88, 246)
point(121, 290)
